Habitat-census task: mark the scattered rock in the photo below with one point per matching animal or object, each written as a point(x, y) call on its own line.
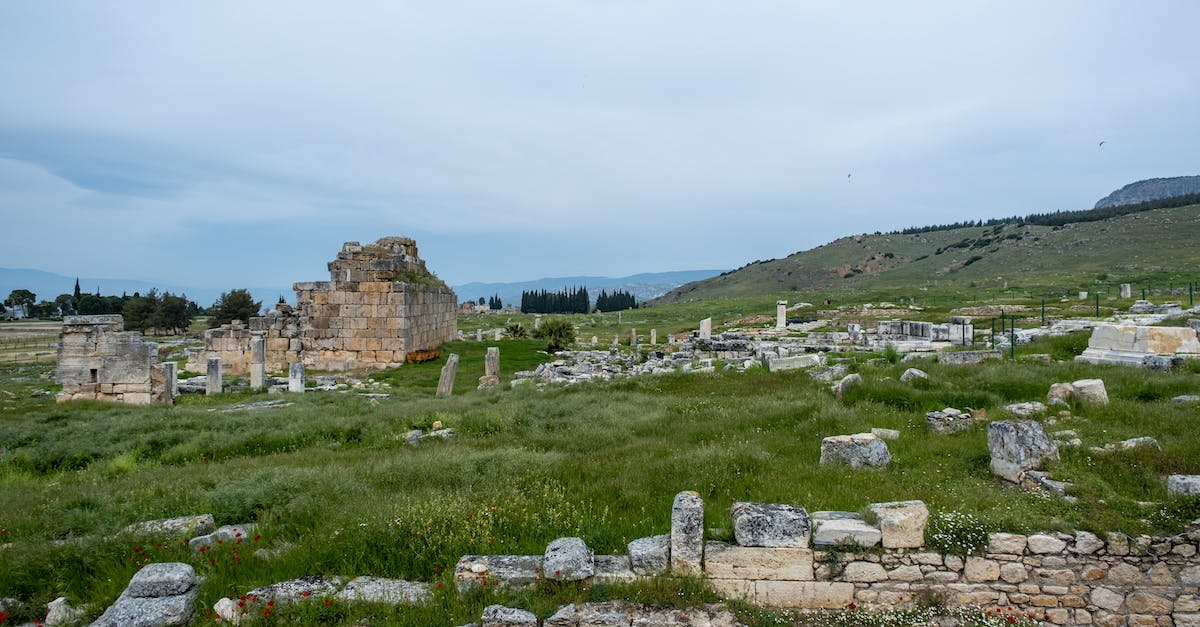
point(159, 594)
point(59, 613)
point(500, 616)
point(948, 421)
point(846, 383)
point(224, 533)
point(227, 609)
point(1017, 446)
point(885, 434)
point(1183, 485)
point(192, 526)
point(770, 525)
point(1091, 391)
point(295, 590)
point(860, 449)
point(1025, 410)
point(509, 571)
point(912, 374)
point(1060, 394)
point(390, 591)
point(1186, 398)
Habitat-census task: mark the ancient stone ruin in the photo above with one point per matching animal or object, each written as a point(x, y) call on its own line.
point(381, 308)
point(99, 360)
point(1131, 344)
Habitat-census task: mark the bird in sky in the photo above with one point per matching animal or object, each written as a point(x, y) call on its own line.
point(848, 178)
point(1101, 146)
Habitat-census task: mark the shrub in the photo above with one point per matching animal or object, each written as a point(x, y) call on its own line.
point(956, 533)
point(515, 330)
point(558, 333)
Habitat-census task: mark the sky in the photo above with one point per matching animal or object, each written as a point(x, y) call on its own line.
point(230, 144)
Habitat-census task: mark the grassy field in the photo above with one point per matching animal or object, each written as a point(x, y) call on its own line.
point(338, 491)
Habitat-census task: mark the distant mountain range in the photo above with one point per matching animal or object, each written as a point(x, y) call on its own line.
point(643, 286)
point(48, 285)
point(1151, 189)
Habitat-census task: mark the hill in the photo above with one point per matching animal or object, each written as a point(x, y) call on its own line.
point(1151, 189)
point(1127, 248)
point(644, 286)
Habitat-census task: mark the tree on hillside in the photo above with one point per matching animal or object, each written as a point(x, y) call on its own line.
point(233, 305)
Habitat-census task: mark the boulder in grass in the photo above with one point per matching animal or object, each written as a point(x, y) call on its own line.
point(389, 591)
point(1060, 394)
point(1017, 446)
point(501, 616)
point(846, 383)
point(856, 451)
point(913, 374)
point(770, 525)
point(947, 421)
point(1183, 485)
point(162, 593)
point(1091, 391)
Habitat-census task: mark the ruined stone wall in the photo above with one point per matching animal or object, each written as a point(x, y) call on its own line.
point(348, 325)
point(99, 360)
point(1131, 344)
point(380, 308)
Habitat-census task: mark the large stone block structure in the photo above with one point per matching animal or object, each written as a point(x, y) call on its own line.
point(99, 360)
point(381, 308)
point(1131, 344)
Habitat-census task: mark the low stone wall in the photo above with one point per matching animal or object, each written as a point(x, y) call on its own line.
point(1064, 579)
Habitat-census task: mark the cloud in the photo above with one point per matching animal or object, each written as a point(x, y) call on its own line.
point(611, 138)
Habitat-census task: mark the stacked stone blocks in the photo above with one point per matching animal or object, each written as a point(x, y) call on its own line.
point(99, 360)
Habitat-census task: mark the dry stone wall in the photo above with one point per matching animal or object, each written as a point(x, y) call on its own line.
point(1059, 578)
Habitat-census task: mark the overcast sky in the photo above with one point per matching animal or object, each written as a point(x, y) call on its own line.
point(228, 144)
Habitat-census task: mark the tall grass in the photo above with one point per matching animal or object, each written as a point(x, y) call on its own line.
point(337, 489)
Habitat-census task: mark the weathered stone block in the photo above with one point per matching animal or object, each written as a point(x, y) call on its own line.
point(770, 525)
point(568, 559)
point(650, 556)
point(901, 523)
point(841, 531)
point(1017, 446)
point(858, 450)
point(806, 594)
point(687, 534)
point(726, 561)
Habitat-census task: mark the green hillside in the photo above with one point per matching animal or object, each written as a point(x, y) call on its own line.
point(1150, 246)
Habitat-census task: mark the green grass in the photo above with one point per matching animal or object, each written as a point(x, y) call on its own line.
point(338, 490)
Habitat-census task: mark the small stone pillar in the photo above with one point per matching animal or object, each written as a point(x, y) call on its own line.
point(537, 321)
point(687, 534)
point(479, 335)
point(258, 362)
point(491, 369)
point(296, 378)
point(616, 341)
point(163, 378)
point(214, 376)
point(706, 329)
point(653, 337)
point(1083, 295)
point(595, 340)
point(633, 337)
point(780, 315)
point(1126, 290)
point(499, 334)
point(446, 381)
